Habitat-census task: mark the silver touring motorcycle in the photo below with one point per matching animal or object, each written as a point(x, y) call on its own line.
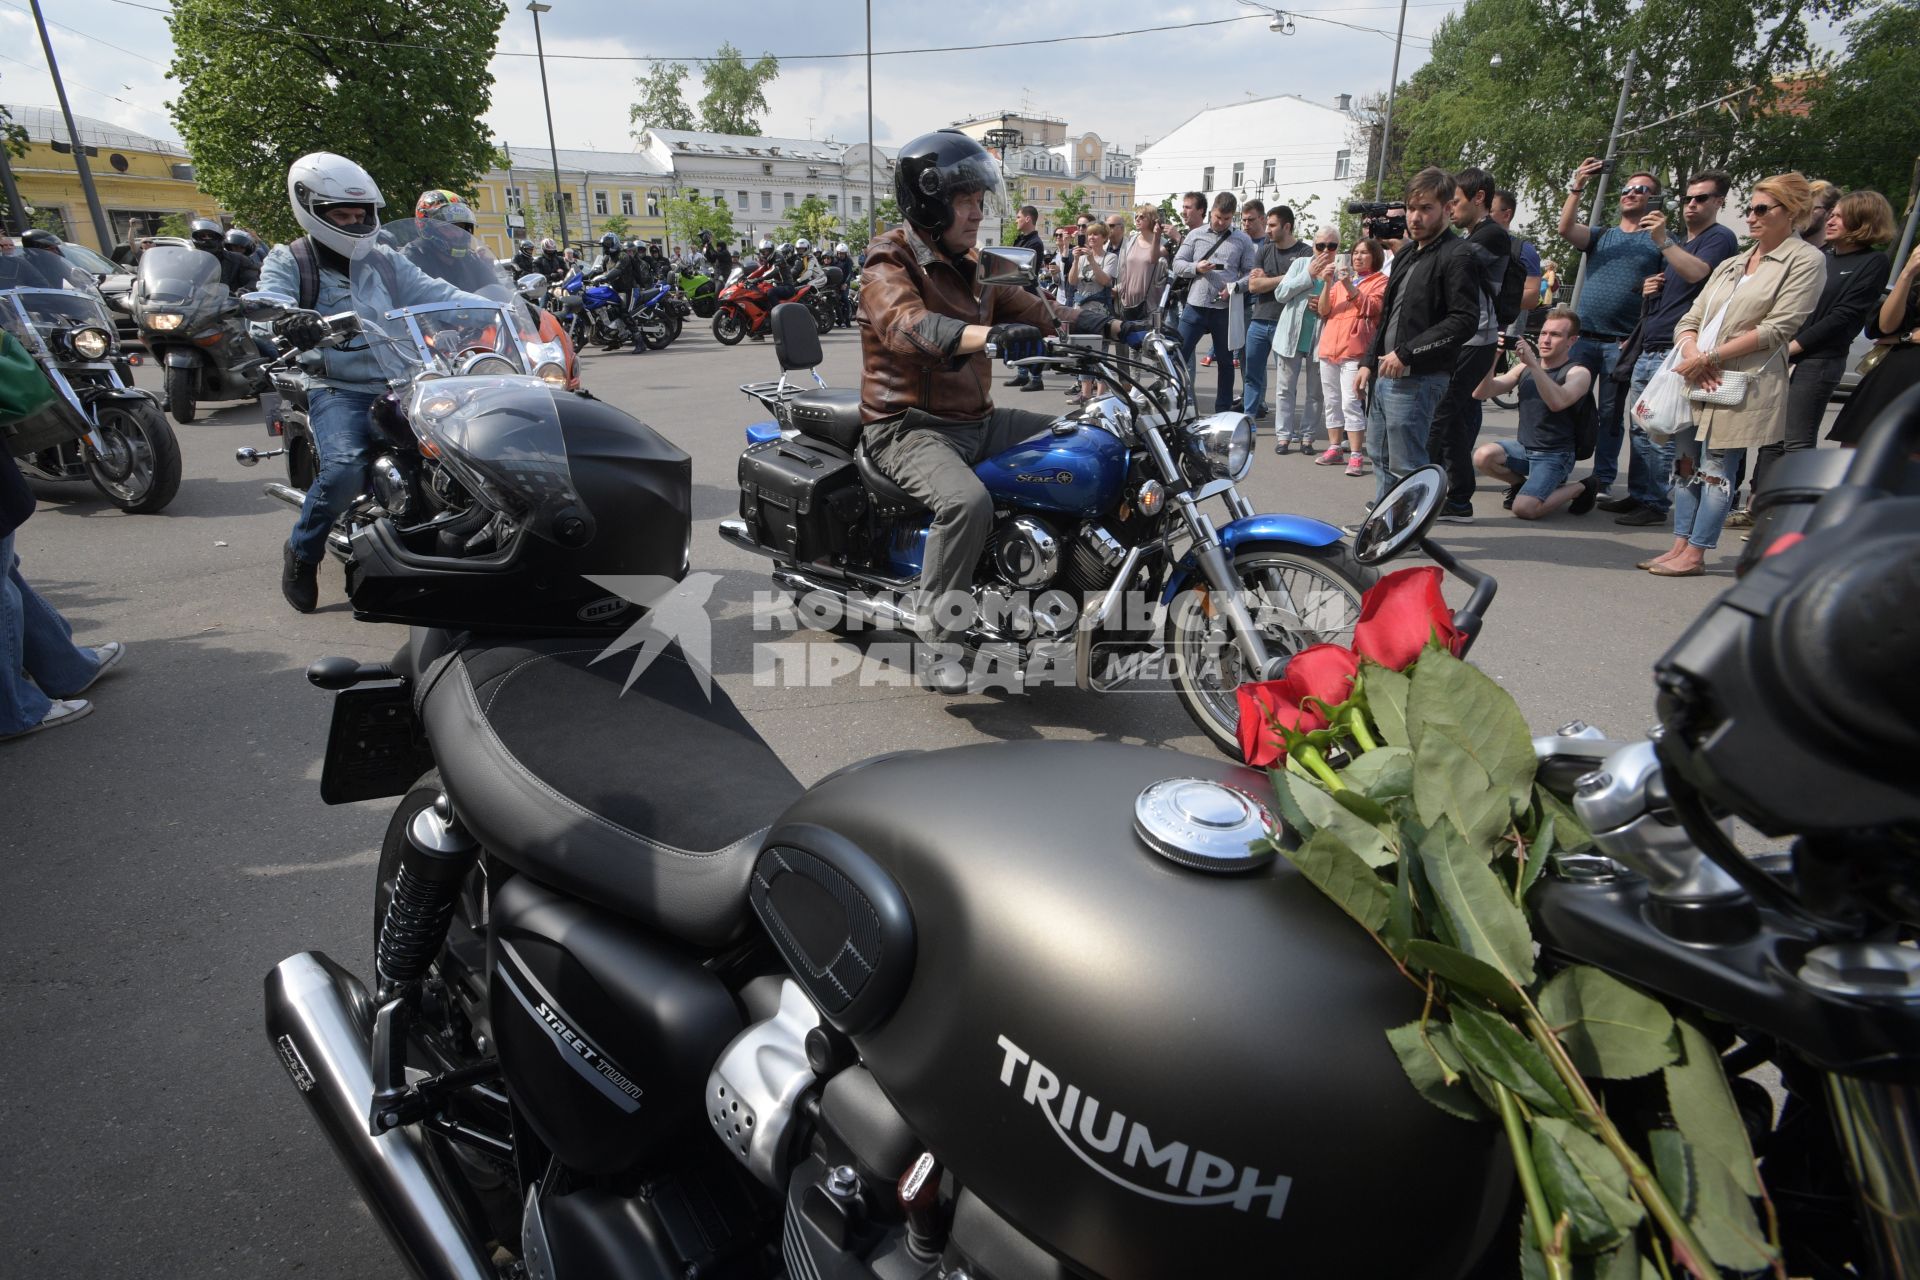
point(642, 1006)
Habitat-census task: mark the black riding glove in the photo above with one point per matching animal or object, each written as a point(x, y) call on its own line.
point(1016, 341)
point(302, 330)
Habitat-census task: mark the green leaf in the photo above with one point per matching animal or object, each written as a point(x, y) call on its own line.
point(1428, 1061)
point(1324, 812)
point(1490, 1043)
point(1385, 773)
point(1673, 1167)
point(1363, 807)
point(1609, 1029)
point(1290, 811)
point(1387, 693)
point(1472, 751)
point(1569, 833)
point(1399, 931)
point(1485, 921)
point(1339, 872)
point(1724, 1220)
point(1461, 970)
point(1589, 1228)
point(1623, 1263)
point(1539, 854)
point(1703, 1109)
point(1599, 1170)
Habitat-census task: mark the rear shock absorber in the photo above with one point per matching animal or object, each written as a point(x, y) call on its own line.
point(438, 855)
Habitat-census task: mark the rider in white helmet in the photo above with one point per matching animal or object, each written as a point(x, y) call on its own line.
point(337, 204)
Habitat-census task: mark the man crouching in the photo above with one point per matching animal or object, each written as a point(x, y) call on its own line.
point(1554, 395)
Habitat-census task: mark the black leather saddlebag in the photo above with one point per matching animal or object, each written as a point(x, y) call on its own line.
point(800, 500)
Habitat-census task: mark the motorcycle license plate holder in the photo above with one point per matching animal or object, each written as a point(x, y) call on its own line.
point(374, 746)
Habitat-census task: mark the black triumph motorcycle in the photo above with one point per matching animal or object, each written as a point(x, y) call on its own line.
point(643, 1006)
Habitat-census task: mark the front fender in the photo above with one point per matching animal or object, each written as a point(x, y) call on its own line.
point(1285, 531)
point(183, 358)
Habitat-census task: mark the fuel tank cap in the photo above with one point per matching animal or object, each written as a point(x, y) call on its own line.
point(1204, 825)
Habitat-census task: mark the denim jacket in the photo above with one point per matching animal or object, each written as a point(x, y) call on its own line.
point(355, 368)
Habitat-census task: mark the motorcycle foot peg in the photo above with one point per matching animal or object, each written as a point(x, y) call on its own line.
point(249, 457)
point(919, 1196)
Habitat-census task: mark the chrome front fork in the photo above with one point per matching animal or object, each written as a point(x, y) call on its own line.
point(1217, 566)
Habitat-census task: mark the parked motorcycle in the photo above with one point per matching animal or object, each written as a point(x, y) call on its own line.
point(192, 325)
point(746, 307)
point(596, 314)
point(700, 291)
point(1097, 518)
point(659, 311)
point(644, 1007)
point(100, 427)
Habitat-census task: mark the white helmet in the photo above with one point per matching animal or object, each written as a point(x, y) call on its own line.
point(323, 180)
point(841, 247)
point(766, 244)
point(547, 245)
point(803, 244)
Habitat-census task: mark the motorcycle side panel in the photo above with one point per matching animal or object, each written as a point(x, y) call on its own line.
point(1078, 474)
point(1148, 1070)
point(605, 1033)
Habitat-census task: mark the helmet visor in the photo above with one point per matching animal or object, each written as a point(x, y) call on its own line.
point(977, 173)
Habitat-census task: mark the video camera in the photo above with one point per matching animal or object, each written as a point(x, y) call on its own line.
point(1378, 220)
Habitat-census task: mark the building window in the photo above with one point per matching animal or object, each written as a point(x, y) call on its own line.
point(740, 201)
point(513, 197)
point(719, 200)
point(788, 200)
point(626, 203)
point(600, 204)
point(1206, 178)
point(566, 198)
point(1266, 173)
point(833, 204)
point(653, 203)
point(1239, 173)
point(1049, 195)
point(693, 193)
point(856, 204)
point(1342, 164)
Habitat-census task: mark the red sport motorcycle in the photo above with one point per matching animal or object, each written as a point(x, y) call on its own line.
point(746, 306)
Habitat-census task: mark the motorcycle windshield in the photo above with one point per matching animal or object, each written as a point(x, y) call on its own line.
point(501, 438)
point(41, 294)
point(432, 302)
point(180, 280)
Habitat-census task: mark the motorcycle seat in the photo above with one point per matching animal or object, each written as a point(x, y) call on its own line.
point(889, 499)
point(831, 414)
point(651, 803)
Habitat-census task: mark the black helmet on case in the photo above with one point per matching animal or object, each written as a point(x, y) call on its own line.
point(936, 167)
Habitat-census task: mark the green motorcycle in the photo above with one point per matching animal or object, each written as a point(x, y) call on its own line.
point(699, 290)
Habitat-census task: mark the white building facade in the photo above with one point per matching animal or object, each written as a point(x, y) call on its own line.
point(1283, 150)
point(760, 179)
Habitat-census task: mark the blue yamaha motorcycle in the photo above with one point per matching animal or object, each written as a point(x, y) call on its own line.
point(659, 310)
point(1104, 567)
point(594, 314)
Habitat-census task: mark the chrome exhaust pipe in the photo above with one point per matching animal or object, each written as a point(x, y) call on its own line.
point(295, 498)
point(733, 530)
point(320, 1023)
point(861, 607)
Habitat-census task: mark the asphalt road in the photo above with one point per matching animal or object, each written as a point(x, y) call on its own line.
point(162, 855)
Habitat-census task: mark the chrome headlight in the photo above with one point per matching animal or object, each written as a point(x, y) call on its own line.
point(1223, 442)
point(90, 343)
point(554, 375)
point(164, 321)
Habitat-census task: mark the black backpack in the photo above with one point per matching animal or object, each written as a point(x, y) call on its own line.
point(1506, 303)
point(1586, 425)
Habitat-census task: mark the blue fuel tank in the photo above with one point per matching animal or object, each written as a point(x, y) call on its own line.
point(1079, 473)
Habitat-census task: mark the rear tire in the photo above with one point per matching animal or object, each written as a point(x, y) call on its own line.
point(669, 330)
point(140, 470)
point(728, 328)
point(182, 385)
point(303, 460)
point(1324, 584)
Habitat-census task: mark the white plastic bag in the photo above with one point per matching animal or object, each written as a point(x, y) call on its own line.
point(1662, 411)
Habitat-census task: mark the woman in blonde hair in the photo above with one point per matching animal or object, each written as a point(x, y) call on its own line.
point(1747, 312)
point(1856, 273)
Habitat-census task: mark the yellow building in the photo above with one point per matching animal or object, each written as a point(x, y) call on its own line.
point(140, 180)
point(516, 202)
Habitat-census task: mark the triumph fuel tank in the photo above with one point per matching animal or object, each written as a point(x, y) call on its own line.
point(1151, 1070)
point(1078, 473)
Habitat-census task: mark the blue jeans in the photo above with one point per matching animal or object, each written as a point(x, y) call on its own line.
point(343, 436)
point(1259, 348)
point(1543, 470)
point(1209, 321)
point(38, 659)
point(1399, 418)
point(1603, 357)
point(1702, 498)
point(1651, 464)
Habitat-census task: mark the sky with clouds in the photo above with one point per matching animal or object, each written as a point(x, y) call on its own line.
point(113, 55)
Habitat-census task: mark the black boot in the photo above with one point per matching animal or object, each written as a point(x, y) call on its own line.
point(299, 581)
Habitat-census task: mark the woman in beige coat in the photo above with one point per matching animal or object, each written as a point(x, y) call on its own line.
point(1749, 309)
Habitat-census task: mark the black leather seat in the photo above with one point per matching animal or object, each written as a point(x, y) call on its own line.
point(831, 414)
point(889, 499)
point(651, 804)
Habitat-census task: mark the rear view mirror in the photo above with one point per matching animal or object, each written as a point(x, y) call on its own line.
point(531, 281)
point(1005, 264)
point(1401, 518)
point(265, 305)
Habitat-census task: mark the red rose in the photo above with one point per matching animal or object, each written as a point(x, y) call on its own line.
point(1398, 616)
point(1324, 671)
point(1265, 706)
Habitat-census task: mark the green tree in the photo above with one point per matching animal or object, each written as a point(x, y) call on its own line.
point(887, 212)
point(1169, 212)
point(1072, 204)
point(687, 215)
point(400, 87)
point(1526, 88)
point(1862, 116)
point(174, 224)
point(811, 218)
point(1016, 196)
point(736, 91)
point(662, 104)
point(616, 223)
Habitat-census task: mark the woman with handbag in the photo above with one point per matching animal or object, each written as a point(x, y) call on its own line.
point(1894, 363)
point(1731, 349)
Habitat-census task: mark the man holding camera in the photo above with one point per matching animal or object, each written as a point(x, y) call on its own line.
point(1212, 260)
point(1620, 258)
point(1431, 308)
point(1456, 423)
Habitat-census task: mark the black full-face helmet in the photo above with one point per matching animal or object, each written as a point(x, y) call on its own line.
point(936, 167)
point(240, 241)
point(610, 243)
point(207, 234)
point(40, 238)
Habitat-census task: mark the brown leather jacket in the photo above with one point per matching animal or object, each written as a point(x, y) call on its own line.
point(915, 301)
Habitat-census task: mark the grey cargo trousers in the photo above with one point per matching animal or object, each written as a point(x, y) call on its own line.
point(933, 459)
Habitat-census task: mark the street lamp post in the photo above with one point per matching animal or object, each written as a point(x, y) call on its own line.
point(1386, 126)
point(553, 149)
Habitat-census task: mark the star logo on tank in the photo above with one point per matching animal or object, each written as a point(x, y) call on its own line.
point(675, 612)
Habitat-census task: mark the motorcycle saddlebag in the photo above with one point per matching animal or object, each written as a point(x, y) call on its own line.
point(798, 500)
